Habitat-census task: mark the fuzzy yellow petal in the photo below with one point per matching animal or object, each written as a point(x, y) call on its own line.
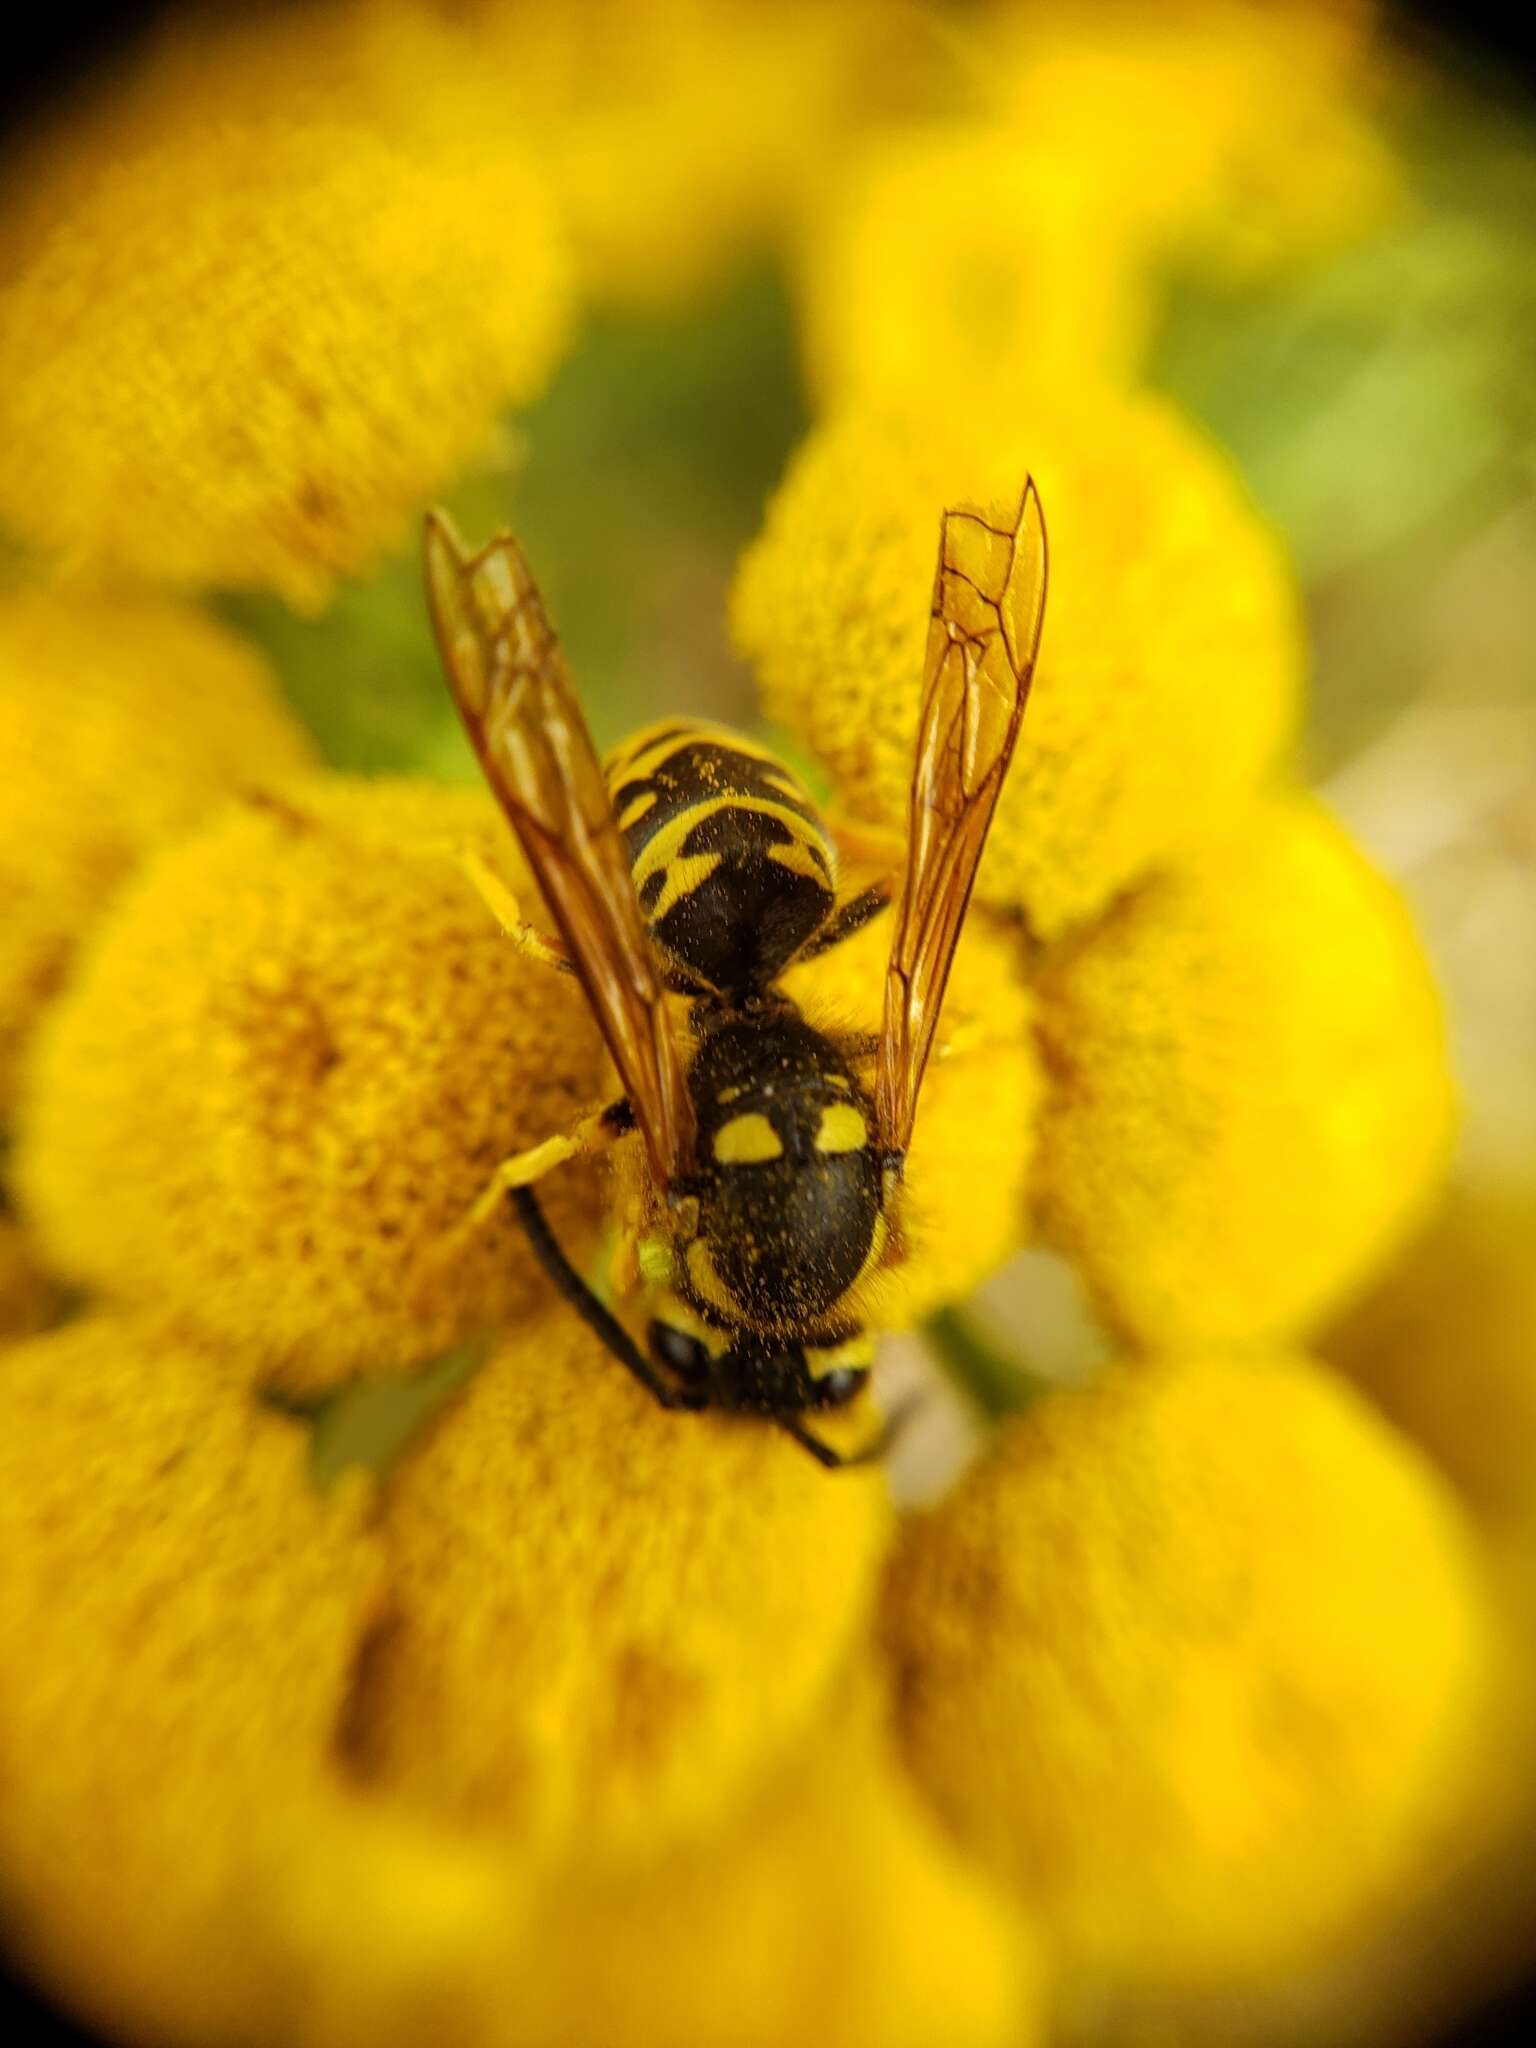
point(684, 135)
point(120, 722)
point(1446, 1346)
point(1198, 1661)
point(830, 1910)
point(1236, 136)
point(28, 1298)
point(1170, 666)
point(606, 1618)
point(264, 295)
point(1250, 1104)
point(179, 1615)
point(369, 1928)
point(950, 257)
point(285, 1072)
point(968, 1169)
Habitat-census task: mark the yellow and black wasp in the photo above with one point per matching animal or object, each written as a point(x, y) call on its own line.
point(683, 882)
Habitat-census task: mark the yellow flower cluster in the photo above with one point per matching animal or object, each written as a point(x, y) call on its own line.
point(28, 1299)
point(1102, 146)
point(1237, 134)
point(179, 1612)
point(1170, 667)
point(579, 1720)
point(684, 135)
point(1250, 1105)
point(1022, 283)
point(228, 1699)
point(833, 1911)
point(1446, 1346)
point(265, 295)
point(119, 722)
point(1246, 1103)
point(1198, 1661)
point(616, 1675)
point(294, 1058)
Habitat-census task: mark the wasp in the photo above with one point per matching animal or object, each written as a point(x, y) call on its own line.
point(683, 881)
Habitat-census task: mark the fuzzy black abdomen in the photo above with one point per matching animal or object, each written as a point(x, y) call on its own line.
point(788, 1177)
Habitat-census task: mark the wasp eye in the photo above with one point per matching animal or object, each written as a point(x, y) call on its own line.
point(679, 1352)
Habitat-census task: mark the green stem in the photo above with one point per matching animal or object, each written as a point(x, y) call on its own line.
point(994, 1380)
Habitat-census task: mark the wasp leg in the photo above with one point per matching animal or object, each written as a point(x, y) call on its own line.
point(606, 1327)
point(602, 1127)
point(848, 918)
point(502, 904)
point(822, 1453)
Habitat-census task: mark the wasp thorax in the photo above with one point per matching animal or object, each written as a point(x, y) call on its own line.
point(788, 1178)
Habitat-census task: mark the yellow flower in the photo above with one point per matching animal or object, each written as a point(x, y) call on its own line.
point(682, 135)
point(1030, 241)
point(119, 723)
point(264, 295)
point(1249, 1103)
point(829, 1910)
point(605, 1618)
point(968, 1172)
point(283, 1075)
point(1218, 131)
point(179, 1617)
point(366, 1928)
point(953, 260)
point(1198, 1661)
point(28, 1298)
point(1170, 666)
point(1446, 1345)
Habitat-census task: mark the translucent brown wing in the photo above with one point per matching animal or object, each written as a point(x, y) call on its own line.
point(510, 682)
point(988, 604)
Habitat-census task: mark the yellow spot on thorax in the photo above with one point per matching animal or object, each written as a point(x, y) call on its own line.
point(842, 1129)
point(747, 1140)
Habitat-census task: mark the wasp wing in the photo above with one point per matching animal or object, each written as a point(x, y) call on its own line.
point(988, 604)
point(509, 679)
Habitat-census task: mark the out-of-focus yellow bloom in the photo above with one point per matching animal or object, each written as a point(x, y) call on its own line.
point(1250, 1104)
point(264, 295)
point(969, 1166)
point(369, 1928)
point(179, 1617)
point(119, 723)
point(283, 1075)
point(956, 261)
point(683, 134)
point(1170, 666)
point(1214, 130)
point(1447, 1347)
point(1032, 241)
point(28, 1298)
point(1199, 1660)
point(830, 1910)
point(607, 1618)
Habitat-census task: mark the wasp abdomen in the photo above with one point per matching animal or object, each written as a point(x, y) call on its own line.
point(788, 1176)
point(731, 863)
